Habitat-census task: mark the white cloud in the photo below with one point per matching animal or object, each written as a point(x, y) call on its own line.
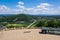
point(20, 6)
point(43, 8)
point(4, 9)
point(20, 3)
point(39, 9)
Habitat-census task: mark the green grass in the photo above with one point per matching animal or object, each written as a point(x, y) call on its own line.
point(19, 25)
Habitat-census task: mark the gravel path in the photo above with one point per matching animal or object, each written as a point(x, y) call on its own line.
point(26, 34)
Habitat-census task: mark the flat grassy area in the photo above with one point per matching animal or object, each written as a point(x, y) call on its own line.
point(17, 25)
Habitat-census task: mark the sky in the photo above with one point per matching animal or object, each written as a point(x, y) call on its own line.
point(32, 7)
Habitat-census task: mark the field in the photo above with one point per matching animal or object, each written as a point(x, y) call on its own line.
point(26, 34)
point(16, 25)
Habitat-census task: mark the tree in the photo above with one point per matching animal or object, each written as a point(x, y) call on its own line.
point(42, 23)
point(58, 23)
point(52, 23)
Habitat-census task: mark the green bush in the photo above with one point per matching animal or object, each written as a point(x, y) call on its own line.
point(49, 23)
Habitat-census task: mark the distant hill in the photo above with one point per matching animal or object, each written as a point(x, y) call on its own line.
point(25, 18)
point(18, 18)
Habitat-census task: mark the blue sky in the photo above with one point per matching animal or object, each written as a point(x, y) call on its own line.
point(28, 3)
point(35, 7)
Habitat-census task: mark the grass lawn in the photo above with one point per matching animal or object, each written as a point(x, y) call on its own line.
point(17, 25)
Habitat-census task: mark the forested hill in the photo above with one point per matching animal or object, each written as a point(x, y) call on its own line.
point(24, 18)
point(17, 18)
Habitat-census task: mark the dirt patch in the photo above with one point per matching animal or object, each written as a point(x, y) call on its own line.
point(33, 34)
